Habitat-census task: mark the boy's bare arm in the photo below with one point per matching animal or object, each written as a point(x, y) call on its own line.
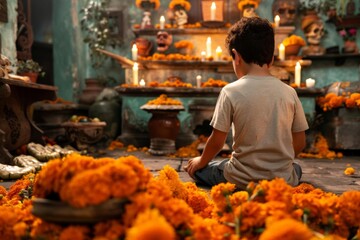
point(299, 141)
point(213, 146)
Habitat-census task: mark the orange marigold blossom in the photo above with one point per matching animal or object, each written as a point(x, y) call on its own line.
point(282, 229)
point(176, 212)
point(44, 230)
point(349, 205)
point(198, 200)
point(170, 177)
point(251, 216)
point(200, 229)
point(75, 232)
point(111, 229)
point(142, 173)
point(349, 171)
point(150, 225)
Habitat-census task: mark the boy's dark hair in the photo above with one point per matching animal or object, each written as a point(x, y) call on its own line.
point(253, 39)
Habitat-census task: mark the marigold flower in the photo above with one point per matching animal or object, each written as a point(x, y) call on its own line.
point(199, 201)
point(109, 230)
point(150, 225)
point(285, 228)
point(176, 212)
point(252, 215)
point(220, 194)
point(170, 177)
point(75, 232)
point(142, 173)
point(349, 171)
point(349, 205)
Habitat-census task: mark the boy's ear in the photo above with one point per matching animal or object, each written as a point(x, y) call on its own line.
point(236, 55)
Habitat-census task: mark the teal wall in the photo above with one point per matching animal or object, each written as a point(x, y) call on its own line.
point(72, 63)
point(8, 32)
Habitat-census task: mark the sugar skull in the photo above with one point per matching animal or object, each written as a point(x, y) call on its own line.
point(163, 40)
point(287, 10)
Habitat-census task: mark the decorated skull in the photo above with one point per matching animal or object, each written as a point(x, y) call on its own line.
point(287, 10)
point(314, 33)
point(181, 18)
point(163, 40)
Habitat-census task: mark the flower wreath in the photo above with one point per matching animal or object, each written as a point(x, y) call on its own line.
point(183, 3)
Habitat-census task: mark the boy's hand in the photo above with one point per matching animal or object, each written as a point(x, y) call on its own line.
point(194, 164)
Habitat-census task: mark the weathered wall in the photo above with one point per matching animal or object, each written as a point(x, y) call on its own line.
point(8, 32)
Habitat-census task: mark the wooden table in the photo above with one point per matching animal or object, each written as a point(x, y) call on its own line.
point(16, 125)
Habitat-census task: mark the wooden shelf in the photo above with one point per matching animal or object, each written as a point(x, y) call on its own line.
point(170, 91)
point(178, 31)
point(338, 58)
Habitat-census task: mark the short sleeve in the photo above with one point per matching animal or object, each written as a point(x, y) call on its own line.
point(222, 117)
point(299, 124)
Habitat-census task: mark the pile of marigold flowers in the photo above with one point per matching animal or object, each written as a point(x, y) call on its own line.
point(165, 208)
point(321, 150)
point(163, 99)
point(332, 100)
point(214, 83)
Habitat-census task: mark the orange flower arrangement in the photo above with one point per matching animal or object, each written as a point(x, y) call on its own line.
point(321, 150)
point(179, 3)
point(163, 99)
point(294, 40)
point(214, 83)
point(184, 44)
point(332, 100)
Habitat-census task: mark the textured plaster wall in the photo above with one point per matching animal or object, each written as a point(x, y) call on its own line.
point(8, 32)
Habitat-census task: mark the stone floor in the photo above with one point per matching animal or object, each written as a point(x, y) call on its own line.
point(322, 173)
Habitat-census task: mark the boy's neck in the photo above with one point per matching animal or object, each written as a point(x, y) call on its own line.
point(256, 70)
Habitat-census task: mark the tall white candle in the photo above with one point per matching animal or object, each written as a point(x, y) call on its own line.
point(277, 21)
point(198, 81)
point(162, 22)
point(218, 53)
point(298, 74)
point(208, 47)
point(212, 11)
point(135, 70)
point(134, 51)
point(282, 52)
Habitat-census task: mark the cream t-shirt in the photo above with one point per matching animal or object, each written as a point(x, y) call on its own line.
point(263, 112)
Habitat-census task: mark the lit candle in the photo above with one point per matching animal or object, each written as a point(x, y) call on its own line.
point(310, 82)
point(277, 21)
point(218, 53)
point(135, 74)
point(142, 83)
point(198, 81)
point(208, 47)
point(203, 55)
point(134, 51)
point(162, 22)
point(298, 74)
point(282, 52)
point(212, 11)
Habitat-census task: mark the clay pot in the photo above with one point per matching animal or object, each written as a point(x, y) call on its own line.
point(92, 89)
point(33, 76)
point(292, 50)
point(144, 46)
point(350, 47)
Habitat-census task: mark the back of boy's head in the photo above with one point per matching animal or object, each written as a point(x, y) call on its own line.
point(253, 39)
